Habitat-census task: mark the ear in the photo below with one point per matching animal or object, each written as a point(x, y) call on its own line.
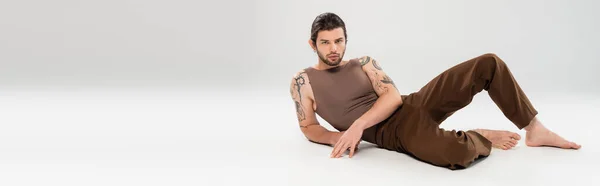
point(312, 45)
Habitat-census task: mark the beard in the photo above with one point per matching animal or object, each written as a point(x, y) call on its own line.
point(326, 60)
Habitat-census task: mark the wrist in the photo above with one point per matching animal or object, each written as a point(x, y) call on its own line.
point(359, 124)
point(335, 137)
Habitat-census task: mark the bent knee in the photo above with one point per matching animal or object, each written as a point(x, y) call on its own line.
point(491, 58)
point(489, 55)
point(460, 153)
point(490, 61)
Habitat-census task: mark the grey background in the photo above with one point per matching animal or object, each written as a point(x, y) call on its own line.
point(96, 92)
point(550, 45)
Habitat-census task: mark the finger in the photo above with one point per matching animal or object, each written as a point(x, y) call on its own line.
point(354, 148)
point(341, 150)
point(337, 149)
point(333, 152)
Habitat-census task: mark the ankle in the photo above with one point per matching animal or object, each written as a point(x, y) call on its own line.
point(481, 131)
point(534, 124)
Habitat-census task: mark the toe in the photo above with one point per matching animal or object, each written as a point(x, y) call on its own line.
point(574, 145)
point(566, 145)
point(510, 145)
point(515, 136)
point(513, 142)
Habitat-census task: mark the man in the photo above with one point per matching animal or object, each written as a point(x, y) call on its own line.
point(361, 101)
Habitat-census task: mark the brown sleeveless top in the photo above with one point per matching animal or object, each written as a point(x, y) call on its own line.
point(343, 94)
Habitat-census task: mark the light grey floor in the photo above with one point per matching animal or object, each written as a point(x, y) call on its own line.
point(251, 138)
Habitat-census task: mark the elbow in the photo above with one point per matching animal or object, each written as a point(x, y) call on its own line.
point(306, 134)
point(395, 98)
point(309, 134)
point(398, 103)
point(399, 100)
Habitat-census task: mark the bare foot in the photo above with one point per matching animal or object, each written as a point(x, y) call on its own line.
point(500, 139)
point(538, 135)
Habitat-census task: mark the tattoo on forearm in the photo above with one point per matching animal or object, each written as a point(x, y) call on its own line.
point(300, 111)
point(363, 61)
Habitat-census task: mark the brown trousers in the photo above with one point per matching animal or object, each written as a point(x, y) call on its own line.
point(414, 128)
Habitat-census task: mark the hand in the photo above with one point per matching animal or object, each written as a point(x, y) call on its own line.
point(349, 140)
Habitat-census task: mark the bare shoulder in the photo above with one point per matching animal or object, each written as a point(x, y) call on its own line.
point(302, 95)
point(365, 60)
point(382, 83)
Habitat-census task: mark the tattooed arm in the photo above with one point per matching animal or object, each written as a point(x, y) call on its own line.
point(302, 97)
point(389, 97)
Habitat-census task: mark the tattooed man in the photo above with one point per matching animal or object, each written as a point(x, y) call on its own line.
point(362, 102)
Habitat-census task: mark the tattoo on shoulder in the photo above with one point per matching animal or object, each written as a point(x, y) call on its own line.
point(376, 65)
point(380, 79)
point(363, 61)
point(377, 84)
point(299, 81)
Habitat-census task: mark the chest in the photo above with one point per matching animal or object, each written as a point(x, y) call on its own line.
point(338, 89)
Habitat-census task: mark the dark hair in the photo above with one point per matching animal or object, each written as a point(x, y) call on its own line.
point(326, 21)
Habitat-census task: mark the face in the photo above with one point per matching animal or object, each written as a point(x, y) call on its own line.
point(330, 46)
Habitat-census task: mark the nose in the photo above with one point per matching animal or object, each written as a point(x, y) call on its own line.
point(333, 48)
